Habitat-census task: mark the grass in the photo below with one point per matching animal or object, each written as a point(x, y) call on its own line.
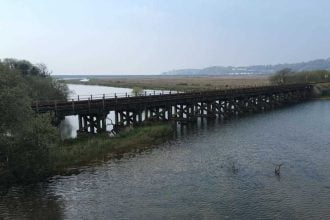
point(93, 149)
point(322, 90)
point(178, 83)
point(324, 97)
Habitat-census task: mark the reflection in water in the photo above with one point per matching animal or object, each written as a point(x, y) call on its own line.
point(30, 202)
point(210, 171)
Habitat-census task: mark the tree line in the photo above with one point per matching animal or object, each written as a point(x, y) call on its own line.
point(288, 76)
point(25, 137)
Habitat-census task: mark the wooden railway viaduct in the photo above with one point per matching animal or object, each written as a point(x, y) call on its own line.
point(184, 107)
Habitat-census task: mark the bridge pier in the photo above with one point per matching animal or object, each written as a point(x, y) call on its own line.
point(92, 124)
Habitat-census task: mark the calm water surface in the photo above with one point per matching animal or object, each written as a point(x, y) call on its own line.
point(191, 176)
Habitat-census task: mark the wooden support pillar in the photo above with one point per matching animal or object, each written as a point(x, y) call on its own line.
point(121, 114)
point(127, 118)
point(116, 117)
point(169, 114)
point(175, 110)
point(164, 110)
point(140, 116)
point(210, 111)
point(85, 123)
point(196, 110)
point(232, 107)
point(157, 114)
point(98, 123)
point(80, 123)
point(92, 124)
point(192, 113)
point(104, 123)
point(146, 114)
point(134, 118)
point(181, 111)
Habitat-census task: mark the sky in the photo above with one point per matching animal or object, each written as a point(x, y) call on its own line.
point(150, 37)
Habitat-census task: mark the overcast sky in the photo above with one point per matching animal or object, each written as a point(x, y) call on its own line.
point(149, 37)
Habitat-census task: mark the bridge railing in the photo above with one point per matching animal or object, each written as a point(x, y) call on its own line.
point(119, 95)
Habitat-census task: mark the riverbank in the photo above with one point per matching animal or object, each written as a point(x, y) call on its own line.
point(323, 97)
point(93, 149)
point(71, 154)
point(322, 91)
point(177, 83)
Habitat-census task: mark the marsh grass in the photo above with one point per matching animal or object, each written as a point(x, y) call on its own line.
point(98, 148)
point(179, 83)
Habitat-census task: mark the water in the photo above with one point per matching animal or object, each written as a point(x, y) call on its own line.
point(191, 176)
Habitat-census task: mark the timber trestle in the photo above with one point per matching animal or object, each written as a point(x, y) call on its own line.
point(183, 107)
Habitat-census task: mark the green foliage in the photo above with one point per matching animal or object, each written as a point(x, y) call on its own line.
point(36, 79)
point(322, 90)
point(286, 76)
point(25, 138)
point(27, 152)
point(137, 91)
point(25, 68)
point(85, 150)
point(12, 112)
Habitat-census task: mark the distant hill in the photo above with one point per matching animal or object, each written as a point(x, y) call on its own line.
point(320, 64)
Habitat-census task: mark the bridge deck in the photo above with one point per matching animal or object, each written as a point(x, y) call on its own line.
point(98, 106)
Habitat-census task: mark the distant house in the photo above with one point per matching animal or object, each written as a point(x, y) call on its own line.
point(84, 80)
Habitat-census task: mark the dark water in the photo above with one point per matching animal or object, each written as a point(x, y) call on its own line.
point(192, 177)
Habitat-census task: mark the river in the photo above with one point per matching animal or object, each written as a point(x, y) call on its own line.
point(192, 175)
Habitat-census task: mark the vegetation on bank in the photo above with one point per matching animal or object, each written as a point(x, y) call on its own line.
point(287, 76)
point(26, 138)
point(320, 79)
point(30, 146)
point(322, 90)
point(88, 149)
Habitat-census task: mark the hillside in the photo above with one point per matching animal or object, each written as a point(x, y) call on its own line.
point(319, 64)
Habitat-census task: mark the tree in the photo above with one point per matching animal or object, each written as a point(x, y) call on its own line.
point(281, 76)
point(137, 91)
point(25, 137)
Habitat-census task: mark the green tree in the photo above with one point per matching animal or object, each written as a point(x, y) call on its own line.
point(137, 91)
point(25, 137)
point(281, 76)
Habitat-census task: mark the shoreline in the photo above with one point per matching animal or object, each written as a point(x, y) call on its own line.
point(322, 98)
point(88, 150)
point(73, 154)
point(118, 86)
